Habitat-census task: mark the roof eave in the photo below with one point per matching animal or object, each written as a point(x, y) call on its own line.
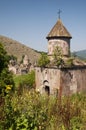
point(57, 37)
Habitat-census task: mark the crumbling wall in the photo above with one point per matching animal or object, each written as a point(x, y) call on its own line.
point(73, 80)
point(49, 75)
point(64, 80)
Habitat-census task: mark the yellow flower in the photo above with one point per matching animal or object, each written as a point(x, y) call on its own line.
point(8, 87)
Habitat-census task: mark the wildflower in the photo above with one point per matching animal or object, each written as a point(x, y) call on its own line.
point(8, 87)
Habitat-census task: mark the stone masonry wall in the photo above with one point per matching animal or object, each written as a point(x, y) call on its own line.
point(73, 80)
point(50, 76)
point(63, 43)
point(65, 80)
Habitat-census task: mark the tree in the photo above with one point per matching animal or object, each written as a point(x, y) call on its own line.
point(44, 60)
point(3, 58)
point(5, 76)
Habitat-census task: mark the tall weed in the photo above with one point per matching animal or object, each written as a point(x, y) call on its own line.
point(32, 111)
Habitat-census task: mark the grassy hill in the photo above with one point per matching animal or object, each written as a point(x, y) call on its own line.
point(18, 49)
point(82, 54)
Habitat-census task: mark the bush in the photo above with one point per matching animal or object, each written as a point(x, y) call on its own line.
point(44, 60)
point(69, 62)
point(58, 56)
point(6, 77)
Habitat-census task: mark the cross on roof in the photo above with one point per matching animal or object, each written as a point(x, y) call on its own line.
point(59, 13)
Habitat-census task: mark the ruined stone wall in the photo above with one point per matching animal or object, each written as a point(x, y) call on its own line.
point(65, 80)
point(73, 80)
point(49, 75)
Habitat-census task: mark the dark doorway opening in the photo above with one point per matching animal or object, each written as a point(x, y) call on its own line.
point(46, 87)
point(47, 90)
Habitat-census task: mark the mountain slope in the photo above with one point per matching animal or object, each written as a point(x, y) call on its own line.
point(81, 54)
point(17, 49)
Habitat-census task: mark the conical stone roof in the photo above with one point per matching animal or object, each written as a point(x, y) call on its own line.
point(58, 31)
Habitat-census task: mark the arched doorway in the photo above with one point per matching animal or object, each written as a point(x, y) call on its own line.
point(46, 87)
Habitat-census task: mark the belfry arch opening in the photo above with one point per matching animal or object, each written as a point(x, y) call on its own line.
point(46, 87)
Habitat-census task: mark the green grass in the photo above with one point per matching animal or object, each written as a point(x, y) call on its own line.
point(28, 79)
point(19, 79)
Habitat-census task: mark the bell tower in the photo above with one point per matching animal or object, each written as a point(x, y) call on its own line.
point(59, 36)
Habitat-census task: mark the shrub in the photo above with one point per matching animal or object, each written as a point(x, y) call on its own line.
point(6, 77)
point(44, 60)
point(58, 56)
point(69, 62)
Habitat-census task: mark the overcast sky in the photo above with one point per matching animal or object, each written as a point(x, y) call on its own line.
point(29, 21)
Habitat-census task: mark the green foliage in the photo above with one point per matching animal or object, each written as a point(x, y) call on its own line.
point(11, 57)
point(6, 83)
point(4, 60)
point(5, 80)
point(31, 79)
point(58, 56)
point(5, 76)
point(44, 60)
point(32, 111)
point(69, 62)
point(25, 80)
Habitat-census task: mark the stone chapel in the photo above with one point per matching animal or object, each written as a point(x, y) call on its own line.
point(63, 80)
